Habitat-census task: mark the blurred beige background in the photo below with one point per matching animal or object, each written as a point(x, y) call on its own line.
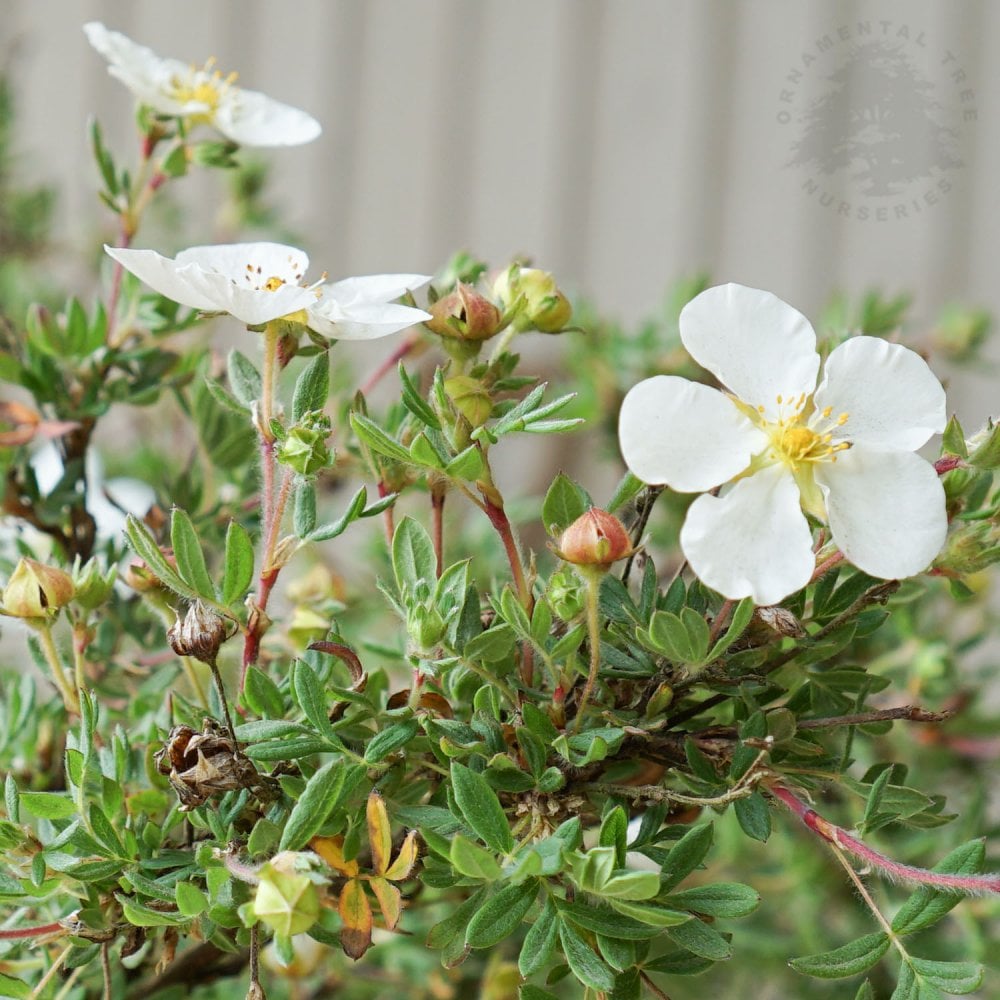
point(622, 144)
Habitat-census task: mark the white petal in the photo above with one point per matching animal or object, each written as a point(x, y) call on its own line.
point(886, 510)
point(250, 264)
point(363, 322)
point(162, 275)
point(253, 119)
point(893, 400)
point(756, 345)
point(752, 542)
point(249, 305)
point(374, 287)
point(676, 432)
point(145, 73)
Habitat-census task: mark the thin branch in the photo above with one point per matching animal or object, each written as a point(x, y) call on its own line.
point(645, 506)
point(905, 713)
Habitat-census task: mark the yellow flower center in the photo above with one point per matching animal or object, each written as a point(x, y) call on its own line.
point(273, 284)
point(203, 86)
point(799, 439)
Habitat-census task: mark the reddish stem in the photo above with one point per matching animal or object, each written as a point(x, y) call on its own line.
point(30, 932)
point(388, 520)
point(839, 837)
point(826, 565)
point(390, 363)
point(719, 621)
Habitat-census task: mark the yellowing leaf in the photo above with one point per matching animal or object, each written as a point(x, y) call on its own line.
point(331, 850)
point(356, 913)
point(379, 832)
point(389, 900)
point(405, 860)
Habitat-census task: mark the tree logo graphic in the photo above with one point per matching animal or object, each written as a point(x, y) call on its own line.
point(882, 133)
point(879, 121)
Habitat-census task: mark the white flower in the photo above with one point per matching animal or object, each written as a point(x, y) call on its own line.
point(842, 452)
point(201, 95)
point(362, 308)
point(260, 282)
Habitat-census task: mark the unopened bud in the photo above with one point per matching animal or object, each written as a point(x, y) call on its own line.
point(542, 307)
point(465, 315)
point(596, 538)
point(36, 590)
point(984, 447)
point(565, 595)
point(92, 584)
point(200, 634)
point(304, 448)
point(425, 627)
point(471, 398)
point(970, 548)
point(287, 898)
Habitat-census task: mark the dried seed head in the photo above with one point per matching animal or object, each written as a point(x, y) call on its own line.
point(200, 634)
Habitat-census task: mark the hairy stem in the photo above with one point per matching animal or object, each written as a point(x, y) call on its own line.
point(833, 834)
point(594, 641)
point(54, 660)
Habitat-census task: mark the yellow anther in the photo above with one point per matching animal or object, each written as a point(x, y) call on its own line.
point(827, 410)
point(273, 284)
point(842, 419)
point(779, 399)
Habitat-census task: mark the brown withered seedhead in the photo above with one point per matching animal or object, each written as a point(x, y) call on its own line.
point(202, 765)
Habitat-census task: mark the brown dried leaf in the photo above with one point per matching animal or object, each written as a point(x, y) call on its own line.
point(331, 850)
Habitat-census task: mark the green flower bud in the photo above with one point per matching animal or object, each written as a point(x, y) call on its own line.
point(287, 897)
point(471, 398)
point(984, 447)
point(93, 587)
point(36, 590)
point(304, 448)
point(542, 306)
point(565, 595)
point(961, 332)
point(970, 548)
point(465, 315)
point(425, 626)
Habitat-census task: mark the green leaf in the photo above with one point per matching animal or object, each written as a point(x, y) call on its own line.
point(610, 923)
point(956, 978)
point(413, 557)
point(262, 694)
point(953, 439)
point(687, 854)
point(701, 939)
point(467, 465)
point(145, 916)
point(244, 379)
point(530, 992)
point(311, 697)
point(848, 960)
point(631, 885)
point(630, 486)
point(720, 899)
point(16, 989)
point(499, 917)
point(647, 913)
point(390, 739)
point(865, 991)
point(540, 941)
point(754, 816)
point(317, 801)
point(481, 808)
point(190, 899)
point(416, 403)
point(583, 962)
point(304, 509)
point(742, 614)
point(189, 556)
point(312, 387)
point(927, 906)
point(146, 548)
point(472, 860)
point(238, 571)
point(355, 509)
point(48, 805)
point(564, 502)
point(377, 440)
